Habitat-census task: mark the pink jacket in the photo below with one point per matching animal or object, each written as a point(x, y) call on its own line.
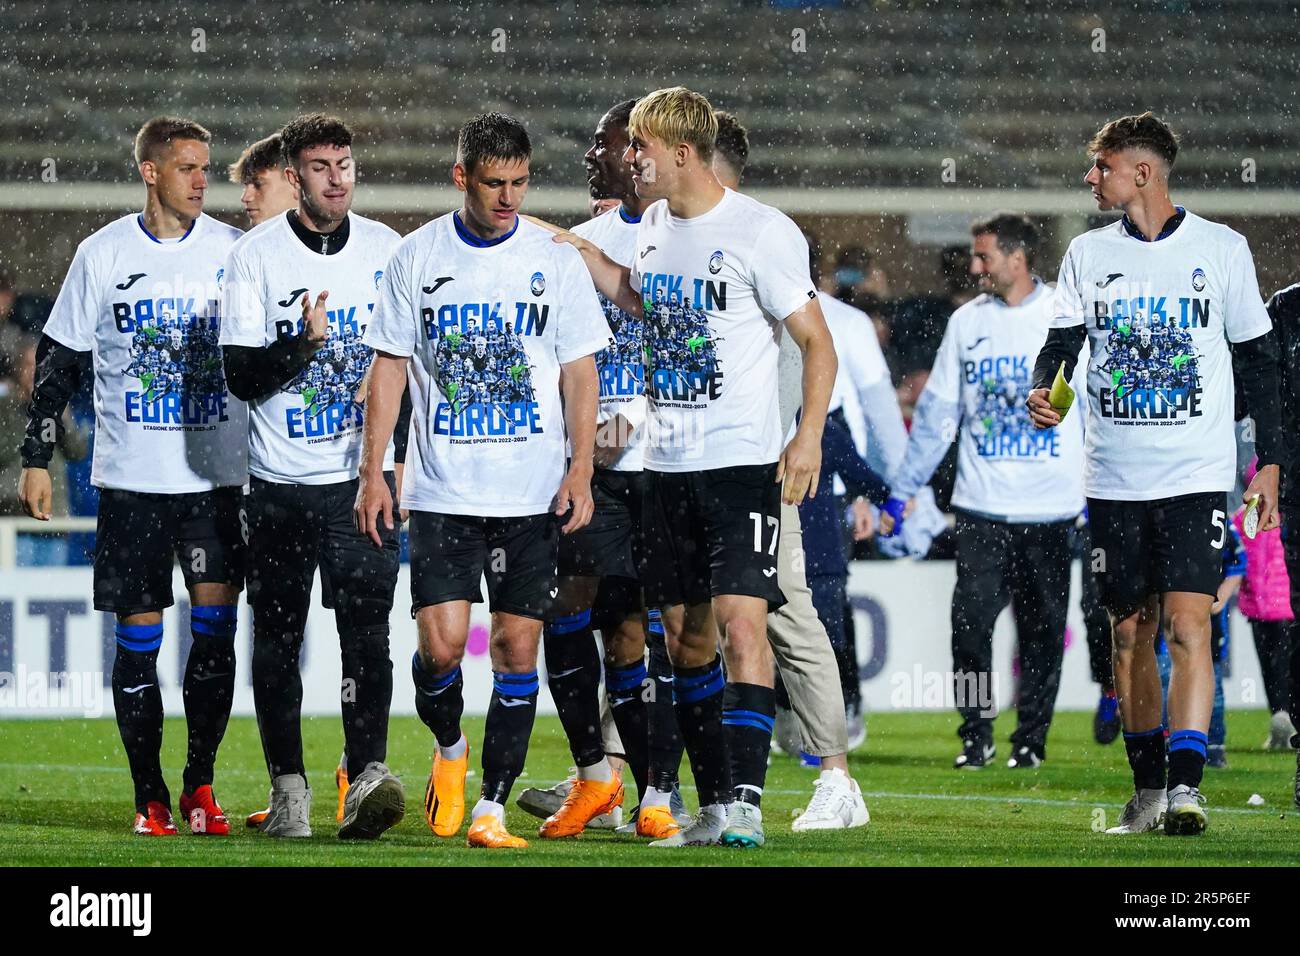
point(1266, 591)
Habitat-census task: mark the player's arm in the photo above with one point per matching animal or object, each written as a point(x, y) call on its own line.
point(878, 399)
point(58, 375)
point(799, 467)
point(1255, 364)
point(253, 372)
point(383, 407)
point(1248, 326)
point(1062, 345)
point(840, 457)
point(401, 437)
point(936, 422)
point(614, 281)
point(1065, 337)
point(579, 387)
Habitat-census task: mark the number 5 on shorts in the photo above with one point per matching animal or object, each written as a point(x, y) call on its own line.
point(1219, 520)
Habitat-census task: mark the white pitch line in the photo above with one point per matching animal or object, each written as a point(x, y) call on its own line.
point(874, 794)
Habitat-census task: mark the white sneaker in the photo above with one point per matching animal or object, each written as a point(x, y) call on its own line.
point(1186, 813)
point(836, 804)
point(705, 829)
point(1280, 732)
point(374, 803)
point(290, 811)
point(1143, 813)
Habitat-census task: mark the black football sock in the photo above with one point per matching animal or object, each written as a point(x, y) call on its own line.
point(208, 688)
point(625, 687)
point(1186, 758)
point(697, 693)
point(573, 675)
point(439, 700)
point(1146, 757)
point(748, 714)
point(665, 740)
point(367, 695)
point(505, 736)
point(138, 703)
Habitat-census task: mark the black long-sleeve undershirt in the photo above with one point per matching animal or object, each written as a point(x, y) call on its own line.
point(1062, 345)
point(1284, 310)
point(254, 372)
point(402, 430)
point(1255, 364)
point(58, 375)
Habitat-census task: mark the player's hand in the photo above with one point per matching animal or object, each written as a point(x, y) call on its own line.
point(1264, 484)
point(892, 513)
point(575, 240)
point(548, 226)
point(315, 322)
point(374, 501)
point(36, 493)
point(611, 439)
point(799, 468)
point(864, 520)
point(1041, 412)
point(575, 493)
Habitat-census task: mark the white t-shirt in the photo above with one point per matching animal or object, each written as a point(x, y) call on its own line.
point(1159, 317)
point(985, 364)
point(716, 289)
point(861, 362)
point(150, 311)
point(621, 366)
point(487, 329)
point(309, 430)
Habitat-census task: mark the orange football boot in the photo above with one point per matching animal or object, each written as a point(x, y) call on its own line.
point(657, 823)
point(586, 800)
point(489, 832)
point(444, 797)
point(341, 782)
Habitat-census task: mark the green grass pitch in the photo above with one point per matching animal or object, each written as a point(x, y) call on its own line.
point(65, 799)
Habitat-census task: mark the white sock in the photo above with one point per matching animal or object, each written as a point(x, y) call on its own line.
point(489, 807)
point(655, 798)
point(456, 750)
point(835, 774)
point(598, 771)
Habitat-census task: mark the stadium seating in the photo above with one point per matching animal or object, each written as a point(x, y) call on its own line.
point(884, 92)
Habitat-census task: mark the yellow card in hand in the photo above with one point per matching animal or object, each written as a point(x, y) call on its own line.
point(1061, 397)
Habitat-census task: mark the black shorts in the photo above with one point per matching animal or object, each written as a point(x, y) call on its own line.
point(1143, 548)
point(139, 534)
point(294, 529)
point(709, 533)
point(450, 555)
point(610, 544)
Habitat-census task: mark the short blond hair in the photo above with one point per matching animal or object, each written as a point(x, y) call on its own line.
point(676, 115)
